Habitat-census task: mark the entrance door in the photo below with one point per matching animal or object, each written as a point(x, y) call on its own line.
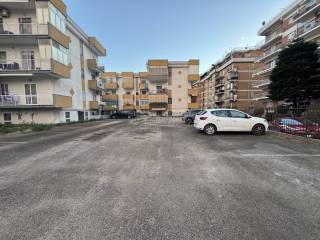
point(31, 93)
point(81, 116)
point(27, 57)
point(240, 121)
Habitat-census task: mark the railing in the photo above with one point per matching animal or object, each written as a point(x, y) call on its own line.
point(24, 29)
point(270, 52)
point(260, 95)
point(260, 83)
point(272, 36)
point(304, 9)
point(308, 27)
point(25, 65)
point(264, 69)
point(12, 100)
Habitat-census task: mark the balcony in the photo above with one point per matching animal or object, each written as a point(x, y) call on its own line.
point(309, 29)
point(272, 38)
point(109, 107)
point(260, 83)
point(265, 70)
point(93, 66)
point(110, 97)
point(144, 107)
point(193, 77)
point(128, 99)
point(98, 46)
point(34, 67)
point(270, 53)
point(306, 10)
point(194, 106)
point(95, 85)
point(144, 96)
point(260, 95)
point(220, 92)
point(158, 98)
point(128, 83)
point(193, 92)
point(93, 105)
point(233, 75)
point(128, 107)
point(111, 86)
point(35, 101)
point(219, 84)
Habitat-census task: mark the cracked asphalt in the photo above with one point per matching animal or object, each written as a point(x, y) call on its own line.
point(157, 179)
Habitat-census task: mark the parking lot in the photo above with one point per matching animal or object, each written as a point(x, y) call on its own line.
point(157, 178)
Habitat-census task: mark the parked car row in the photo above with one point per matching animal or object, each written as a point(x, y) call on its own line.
point(211, 121)
point(123, 114)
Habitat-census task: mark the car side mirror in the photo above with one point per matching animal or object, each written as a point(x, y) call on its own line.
point(248, 116)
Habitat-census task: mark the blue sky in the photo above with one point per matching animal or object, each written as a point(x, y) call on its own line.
point(134, 31)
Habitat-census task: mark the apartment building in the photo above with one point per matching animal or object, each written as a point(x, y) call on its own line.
point(228, 83)
point(301, 19)
point(49, 70)
point(164, 89)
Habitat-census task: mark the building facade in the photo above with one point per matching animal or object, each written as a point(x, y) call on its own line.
point(165, 89)
point(301, 19)
point(228, 83)
point(49, 70)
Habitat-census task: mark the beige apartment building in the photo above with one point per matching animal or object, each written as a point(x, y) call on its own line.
point(228, 83)
point(301, 19)
point(49, 68)
point(165, 89)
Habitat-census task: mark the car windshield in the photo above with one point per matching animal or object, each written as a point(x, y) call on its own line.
point(289, 121)
point(202, 113)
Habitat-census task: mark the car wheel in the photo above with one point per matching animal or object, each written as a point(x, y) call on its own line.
point(259, 130)
point(189, 121)
point(210, 129)
point(113, 117)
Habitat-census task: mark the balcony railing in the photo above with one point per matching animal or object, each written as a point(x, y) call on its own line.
point(16, 65)
point(260, 83)
point(264, 69)
point(308, 27)
point(305, 9)
point(270, 52)
point(14, 100)
point(111, 86)
point(260, 95)
point(24, 29)
point(158, 98)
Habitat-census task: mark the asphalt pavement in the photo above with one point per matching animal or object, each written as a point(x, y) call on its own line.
point(157, 179)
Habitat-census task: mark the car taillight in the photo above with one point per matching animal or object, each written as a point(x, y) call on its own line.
point(203, 118)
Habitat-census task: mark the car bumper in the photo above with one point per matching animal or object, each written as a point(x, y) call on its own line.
point(198, 126)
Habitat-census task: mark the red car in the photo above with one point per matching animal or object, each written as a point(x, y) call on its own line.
point(296, 127)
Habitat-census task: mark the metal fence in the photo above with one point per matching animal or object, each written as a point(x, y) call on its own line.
point(296, 121)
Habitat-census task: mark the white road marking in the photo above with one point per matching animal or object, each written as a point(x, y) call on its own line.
point(280, 155)
point(12, 142)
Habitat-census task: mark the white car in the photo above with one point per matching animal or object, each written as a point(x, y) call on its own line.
point(229, 120)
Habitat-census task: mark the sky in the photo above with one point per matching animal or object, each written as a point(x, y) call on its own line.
point(134, 31)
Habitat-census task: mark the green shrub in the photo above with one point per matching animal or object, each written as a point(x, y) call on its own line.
point(41, 127)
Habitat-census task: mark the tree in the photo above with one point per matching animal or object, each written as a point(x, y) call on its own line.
point(296, 76)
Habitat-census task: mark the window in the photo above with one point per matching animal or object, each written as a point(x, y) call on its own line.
point(3, 57)
point(236, 114)
point(57, 19)
point(4, 89)
point(25, 26)
point(7, 118)
point(1, 25)
point(220, 113)
point(31, 93)
point(159, 88)
point(67, 114)
point(60, 53)
point(169, 100)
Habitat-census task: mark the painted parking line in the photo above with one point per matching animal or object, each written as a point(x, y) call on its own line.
point(280, 155)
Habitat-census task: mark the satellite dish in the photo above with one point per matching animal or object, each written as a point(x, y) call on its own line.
point(263, 23)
